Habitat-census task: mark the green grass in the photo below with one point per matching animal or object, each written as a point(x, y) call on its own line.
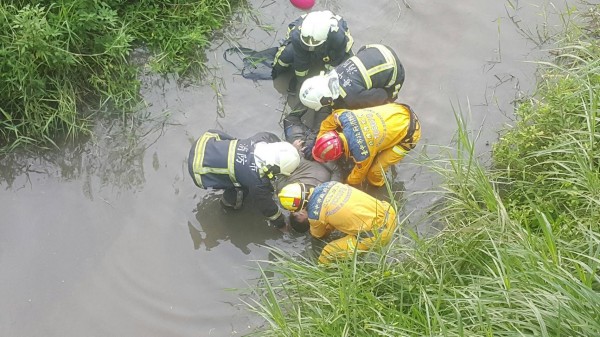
point(519, 254)
point(62, 62)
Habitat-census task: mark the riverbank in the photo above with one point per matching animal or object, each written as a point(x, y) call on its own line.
point(65, 64)
point(519, 252)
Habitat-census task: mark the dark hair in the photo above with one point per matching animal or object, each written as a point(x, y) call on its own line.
point(299, 226)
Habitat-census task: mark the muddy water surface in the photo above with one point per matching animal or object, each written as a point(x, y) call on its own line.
point(111, 238)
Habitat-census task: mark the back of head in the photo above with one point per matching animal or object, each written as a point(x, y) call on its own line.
point(316, 26)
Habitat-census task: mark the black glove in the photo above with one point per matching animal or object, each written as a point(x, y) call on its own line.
point(307, 149)
point(279, 222)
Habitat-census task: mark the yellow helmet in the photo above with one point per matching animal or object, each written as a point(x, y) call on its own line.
point(293, 197)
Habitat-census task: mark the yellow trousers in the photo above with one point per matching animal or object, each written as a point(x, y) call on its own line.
point(388, 157)
point(344, 248)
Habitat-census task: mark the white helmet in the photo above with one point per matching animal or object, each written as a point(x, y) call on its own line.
point(276, 158)
point(314, 89)
point(315, 27)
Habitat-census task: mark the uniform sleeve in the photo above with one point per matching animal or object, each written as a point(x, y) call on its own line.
point(367, 98)
point(319, 229)
point(337, 47)
point(359, 172)
point(328, 124)
point(262, 195)
point(301, 57)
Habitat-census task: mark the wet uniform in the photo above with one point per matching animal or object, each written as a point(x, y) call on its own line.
point(365, 220)
point(297, 55)
point(219, 161)
point(372, 77)
point(375, 138)
point(310, 173)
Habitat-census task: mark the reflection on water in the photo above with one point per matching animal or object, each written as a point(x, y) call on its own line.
point(241, 228)
point(113, 157)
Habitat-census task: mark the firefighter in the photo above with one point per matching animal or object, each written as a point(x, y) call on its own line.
point(372, 77)
point(330, 206)
point(243, 168)
point(318, 38)
point(373, 138)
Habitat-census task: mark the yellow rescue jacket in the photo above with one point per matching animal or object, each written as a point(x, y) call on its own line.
point(334, 205)
point(368, 131)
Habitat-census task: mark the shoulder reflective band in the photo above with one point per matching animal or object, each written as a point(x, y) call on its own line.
point(363, 71)
point(199, 156)
point(231, 163)
point(278, 59)
point(350, 42)
point(199, 168)
point(390, 63)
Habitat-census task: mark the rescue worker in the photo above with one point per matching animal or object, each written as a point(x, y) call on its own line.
point(330, 206)
point(243, 168)
point(318, 38)
point(308, 172)
point(374, 138)
point(372, 77)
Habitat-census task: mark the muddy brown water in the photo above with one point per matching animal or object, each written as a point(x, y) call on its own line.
point(110, 237)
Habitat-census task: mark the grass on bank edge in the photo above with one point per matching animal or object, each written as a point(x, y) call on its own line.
point(520, 252)
point(64, 63)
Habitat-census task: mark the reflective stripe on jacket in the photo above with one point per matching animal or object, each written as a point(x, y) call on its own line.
point(220, 161)
point(372, 77)
point(371, 130)
point(333, 51)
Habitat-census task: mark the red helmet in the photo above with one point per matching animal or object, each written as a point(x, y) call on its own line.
point(328, 147)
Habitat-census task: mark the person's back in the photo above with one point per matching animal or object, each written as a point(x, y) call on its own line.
point(243, 168)
point(370, 78)
point(347, 209)
point(374, 138)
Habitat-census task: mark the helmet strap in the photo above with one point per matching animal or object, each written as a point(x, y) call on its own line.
point(326, 101)
point(271, 170)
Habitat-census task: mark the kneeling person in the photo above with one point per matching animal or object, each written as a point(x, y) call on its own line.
point(372, 77)
point(243, 168)
point(335, 206)
point(374, 138)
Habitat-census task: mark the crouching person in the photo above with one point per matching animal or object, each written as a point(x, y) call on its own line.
point(373, 138)
point(330, 206)
point(243, 168)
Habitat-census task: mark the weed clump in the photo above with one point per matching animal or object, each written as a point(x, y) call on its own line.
point(61, 62)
